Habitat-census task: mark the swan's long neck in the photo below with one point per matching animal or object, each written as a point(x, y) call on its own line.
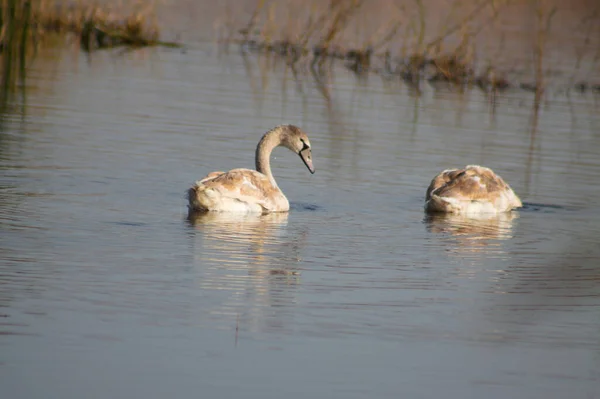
point(269, 141)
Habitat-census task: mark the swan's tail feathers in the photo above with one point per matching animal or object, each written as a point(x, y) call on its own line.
point(442, 204)
point(201, 198)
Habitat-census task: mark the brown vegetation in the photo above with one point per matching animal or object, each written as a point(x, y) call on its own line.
point(403, 44)
point(26, 23)
point(99, 26)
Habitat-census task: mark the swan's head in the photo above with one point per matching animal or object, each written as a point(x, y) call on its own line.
point(297, 141)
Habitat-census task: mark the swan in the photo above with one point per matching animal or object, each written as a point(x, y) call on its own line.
point(246, 190)
point(473, 189)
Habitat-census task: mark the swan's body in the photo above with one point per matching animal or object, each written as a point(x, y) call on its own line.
point(246, 190)
point(471, 190)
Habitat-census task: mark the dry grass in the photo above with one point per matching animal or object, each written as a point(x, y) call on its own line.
point(95, 26)
point(411, 41)
point(321, 35)
point(100, 27)
point(15, 36)
point(25, 24)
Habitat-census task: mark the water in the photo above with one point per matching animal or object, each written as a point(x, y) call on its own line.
point(108, 290)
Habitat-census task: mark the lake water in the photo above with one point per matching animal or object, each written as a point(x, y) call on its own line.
point(107, 290)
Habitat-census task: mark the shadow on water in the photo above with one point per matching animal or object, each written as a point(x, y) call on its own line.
point(545, 208)
point(300, 206)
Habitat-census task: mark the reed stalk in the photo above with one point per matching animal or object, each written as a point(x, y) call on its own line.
point(543, 20)
point(15, 43)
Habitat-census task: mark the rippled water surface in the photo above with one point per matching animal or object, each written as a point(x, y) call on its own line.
point(107, 290)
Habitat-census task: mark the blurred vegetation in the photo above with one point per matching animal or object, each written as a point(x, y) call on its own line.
point(15, 38)
point(25, 25)
point(409, 39)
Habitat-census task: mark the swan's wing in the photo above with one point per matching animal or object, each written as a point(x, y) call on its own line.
point(210, 176)
point(441, 180)
point(239, 185)
point(472, 184)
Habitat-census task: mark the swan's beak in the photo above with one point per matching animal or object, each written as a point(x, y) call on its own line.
point(307, 159)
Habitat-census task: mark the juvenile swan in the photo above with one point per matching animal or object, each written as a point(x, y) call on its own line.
point(246, 190)
point(471, 190)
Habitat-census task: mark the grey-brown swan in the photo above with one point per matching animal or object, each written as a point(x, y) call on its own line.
point(246, 190)
point(473, 189)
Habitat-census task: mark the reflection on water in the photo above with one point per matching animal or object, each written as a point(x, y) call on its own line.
point(251, 239)
point(472, 227)
point(253, 258)
point(473, 239)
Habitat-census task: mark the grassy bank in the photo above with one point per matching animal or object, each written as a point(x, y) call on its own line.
point(27, 24)
point(96, 27)
point(99, 27)
point(409, 39)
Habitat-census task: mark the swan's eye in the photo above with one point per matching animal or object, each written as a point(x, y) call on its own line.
point(304, 145)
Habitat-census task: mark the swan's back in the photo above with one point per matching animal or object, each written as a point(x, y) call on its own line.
point(239, 190)
point(473, 189)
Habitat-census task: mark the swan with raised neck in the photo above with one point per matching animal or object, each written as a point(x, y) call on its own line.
point(472, 190)
point(246, 190)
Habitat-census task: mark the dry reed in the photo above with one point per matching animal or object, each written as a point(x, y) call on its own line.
point(403, 45)
point(26, 23)
point(101, 27)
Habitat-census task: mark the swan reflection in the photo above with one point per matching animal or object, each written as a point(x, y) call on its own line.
point(253, 260)
point(474, 233)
